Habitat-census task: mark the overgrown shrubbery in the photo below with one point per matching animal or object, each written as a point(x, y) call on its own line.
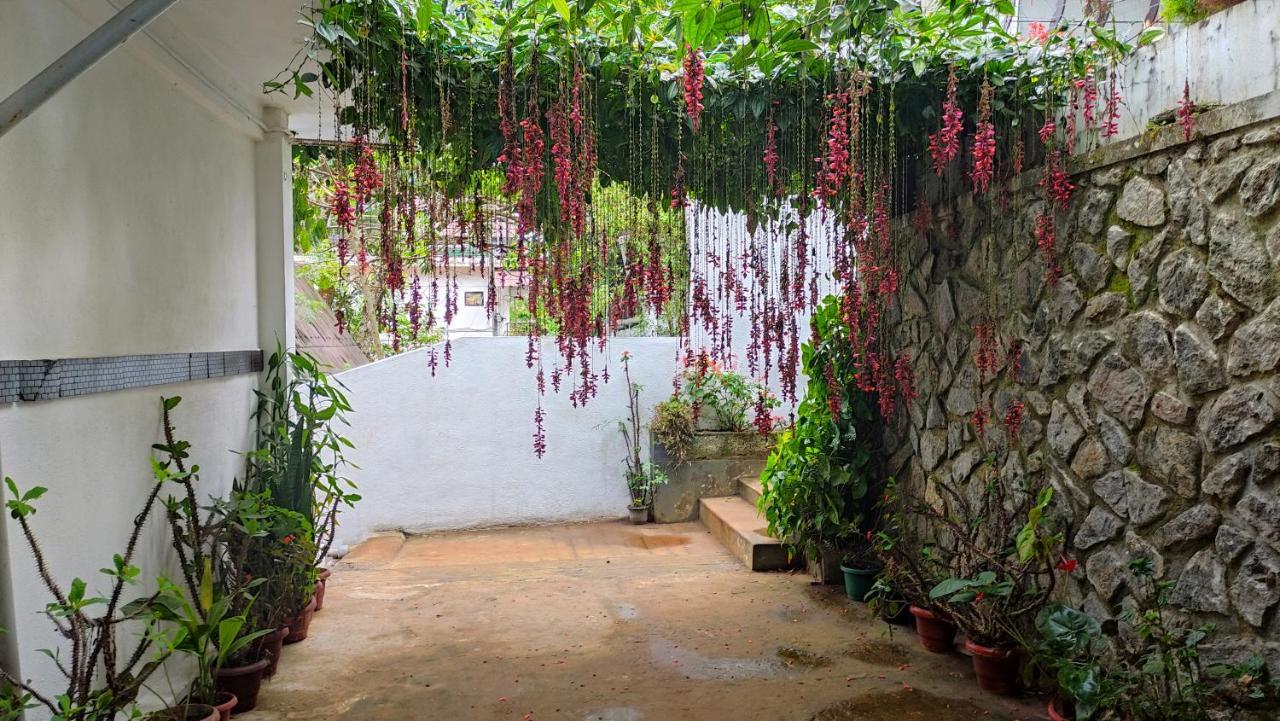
point(822, 477)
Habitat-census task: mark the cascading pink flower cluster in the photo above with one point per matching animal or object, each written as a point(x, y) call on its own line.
point(1111, 116)
point(835, 168)
point(1186, 112)
point(539, 432)
point(530, 173)
point(984, 143)
point(944, 145)
point(987, 356)
point(368, 178)
point(693, 80)
point(1089, 89)
point(1013, 418)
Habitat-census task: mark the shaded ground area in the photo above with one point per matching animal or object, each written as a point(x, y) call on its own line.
point(603, 622)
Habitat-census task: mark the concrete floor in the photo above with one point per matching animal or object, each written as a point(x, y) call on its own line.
point(604, 622)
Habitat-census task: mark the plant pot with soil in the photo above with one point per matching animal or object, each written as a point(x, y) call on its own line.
point(996, 667)
point(244, 682)
point(322, 584)
point(224, 702)
point(300, 625)
point(936, 630)
point(860, 568)
point(1059, 709)
point(271, 648)
point(639, 514)
point(186, 712)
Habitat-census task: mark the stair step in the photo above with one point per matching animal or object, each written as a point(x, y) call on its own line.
point(741, 528)
point(750, 490)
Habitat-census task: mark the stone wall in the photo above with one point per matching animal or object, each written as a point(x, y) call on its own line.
point(1149, 371)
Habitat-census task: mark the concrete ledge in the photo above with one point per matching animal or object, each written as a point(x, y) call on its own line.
point(717, 463)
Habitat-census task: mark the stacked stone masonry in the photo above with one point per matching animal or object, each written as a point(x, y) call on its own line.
point(1150, 372)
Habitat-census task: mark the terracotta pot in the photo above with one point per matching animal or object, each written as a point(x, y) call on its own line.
point(224, 702)
point(1058, 710)
point(244, 682)
point(996, 668)
point(322, 582)
point(189, 712)
point(937, 633)
point(270, 647)
point(299, 625)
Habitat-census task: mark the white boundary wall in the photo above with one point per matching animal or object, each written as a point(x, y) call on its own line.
point(456, 450)
point(131, 213)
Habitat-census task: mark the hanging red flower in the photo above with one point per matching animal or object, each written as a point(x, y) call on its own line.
point(944, 144)
point(984, 143)
point(1186, 112)
point(693, 80)
point(1013, 418)
point(1111, 118)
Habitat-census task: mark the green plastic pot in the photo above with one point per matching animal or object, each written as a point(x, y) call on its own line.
point(858, 582)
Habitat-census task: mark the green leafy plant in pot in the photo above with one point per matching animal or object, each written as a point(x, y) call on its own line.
point(1151, 672)
point(204, 630)
point(642, 477)
point(672, 426)
point(820, 478)
point(102, 684)
point(1001, 550)
point(298, 468)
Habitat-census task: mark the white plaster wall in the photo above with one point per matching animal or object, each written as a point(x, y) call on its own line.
point(128, 227)
point(716, 226)
point(456, 451)
point(1230, 57)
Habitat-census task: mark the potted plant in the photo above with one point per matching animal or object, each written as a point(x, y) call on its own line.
point(222, 618)
point(1002, 575)
point(820, 478)
point(672, 426)
point(1152, 672)
point(860, 568)
point(642, 477)
point(720, 398)
point(204, 630)
point(186, 712)
point(100, 684)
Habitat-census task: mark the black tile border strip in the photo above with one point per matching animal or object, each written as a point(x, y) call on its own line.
point(50, 379)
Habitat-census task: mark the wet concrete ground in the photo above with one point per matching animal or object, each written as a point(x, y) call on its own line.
point(604, 622)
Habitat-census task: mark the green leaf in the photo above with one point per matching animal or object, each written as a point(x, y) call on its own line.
point(949, 586)
point(562, 7)
point(797, 45)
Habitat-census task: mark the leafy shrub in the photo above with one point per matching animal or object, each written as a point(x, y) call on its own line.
point(816, 481)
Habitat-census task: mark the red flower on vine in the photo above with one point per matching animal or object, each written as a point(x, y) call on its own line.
point(984, 143)
point(979, 420)
point(1068, 565)
point(1186, 112)
point(539, 433)
point(944, 145)
point(693, 80)
point(1013, 418)
point(1111, 119)
point(905, 378)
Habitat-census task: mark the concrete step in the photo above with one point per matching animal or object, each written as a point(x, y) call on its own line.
point(741, 528)
point(750, 489)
